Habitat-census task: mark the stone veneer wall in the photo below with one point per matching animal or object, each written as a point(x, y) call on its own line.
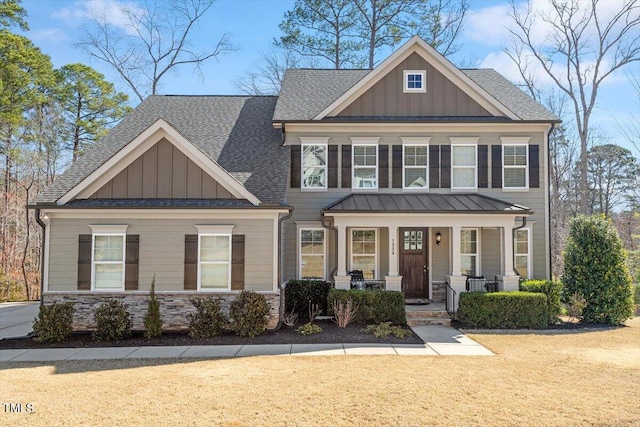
point(438, 290)
point(174, 307)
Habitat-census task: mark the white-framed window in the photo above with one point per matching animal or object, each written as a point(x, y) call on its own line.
point(469, 252)
point(214, 257)
point(314, 166)
point(522, 252)
point(515, 165)
point(464, 166)
point(365, 166)
point(108, 251)
point(414, 81)
point(364, 256)
point(311, 250)
point(415, 166)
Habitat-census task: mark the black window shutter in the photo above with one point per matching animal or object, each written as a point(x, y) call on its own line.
point(131, 262)
point(84, 262)
point(434, 166)
point(296, 161)
point(332, 179)
point(346, 166)
point(190, 262)
point(445, 166)
point(534, 166)
point(383, 166)
point(396, 164)
point(496, 166)
point(483, 166)
point(237, 262)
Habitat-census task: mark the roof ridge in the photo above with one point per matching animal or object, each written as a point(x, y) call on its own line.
point(212, 96)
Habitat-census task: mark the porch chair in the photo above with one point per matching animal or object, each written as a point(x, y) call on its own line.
point(476, 284)
point(357, 279)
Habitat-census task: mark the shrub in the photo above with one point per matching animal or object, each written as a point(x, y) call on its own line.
point(373, 306)
point(503, 310)
point(575, 305)
point(152, 320)
point(298, 294)
point(595, 267)
point(113, 322)
point(309, 329)
point(553, 290)
point(53, 323)
point(249, 314)
point(385, 329)
point(207, 320)
point(344, 313)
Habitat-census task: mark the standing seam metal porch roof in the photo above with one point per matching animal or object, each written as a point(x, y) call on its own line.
point(424, 203)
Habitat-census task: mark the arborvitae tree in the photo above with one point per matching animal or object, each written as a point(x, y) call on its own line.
point(152, 320)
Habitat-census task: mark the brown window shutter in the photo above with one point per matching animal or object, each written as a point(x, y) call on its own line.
point(131, 262)
point(445, 166)
point(483, 166)
point(396, 166)
point(346, 166)
point(534, 166)
point(496, 166)
point(84, 262)
point(434, 166)
point(296, 162)
point(190, 262)
point(332, 179)
point(383, 166)
point(237, 262)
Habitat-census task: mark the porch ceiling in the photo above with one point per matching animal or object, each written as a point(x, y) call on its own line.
point(424, 203)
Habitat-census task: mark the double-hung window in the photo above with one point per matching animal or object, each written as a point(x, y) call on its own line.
point(363, 251)
point(314, 166)
point(365, 166)
point(515, 163)
point(522, 258)
point(108, 252)
point(464, 169)
point(415, 165)
point(469, 258)
point(214, 257)
point(312, 253)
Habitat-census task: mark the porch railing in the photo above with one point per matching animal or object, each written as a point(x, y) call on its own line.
point(450, 300)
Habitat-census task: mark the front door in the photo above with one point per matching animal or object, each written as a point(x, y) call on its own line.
point(413, 262)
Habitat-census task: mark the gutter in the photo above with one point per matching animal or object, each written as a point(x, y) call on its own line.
point(550, 256)
point(281, 286)
point(513, 236)
point(332, 228)
point(44, 243)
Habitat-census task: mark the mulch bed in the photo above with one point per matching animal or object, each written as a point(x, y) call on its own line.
point(330, 334)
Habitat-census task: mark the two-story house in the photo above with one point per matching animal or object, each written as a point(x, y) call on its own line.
point(415, 173)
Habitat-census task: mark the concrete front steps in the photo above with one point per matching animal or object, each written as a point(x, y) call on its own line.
point(436, 314)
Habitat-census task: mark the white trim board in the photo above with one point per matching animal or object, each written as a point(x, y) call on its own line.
point(138, 146)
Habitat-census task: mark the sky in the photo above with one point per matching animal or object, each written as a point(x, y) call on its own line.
point(252, 25)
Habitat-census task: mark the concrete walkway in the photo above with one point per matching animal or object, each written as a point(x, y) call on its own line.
point(16, 318)
point(439, 341)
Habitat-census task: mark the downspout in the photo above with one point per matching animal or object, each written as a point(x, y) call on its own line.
point(280, 284)
point(44, 243)
point(550, 257)
point(513, 237)
point(335, 230)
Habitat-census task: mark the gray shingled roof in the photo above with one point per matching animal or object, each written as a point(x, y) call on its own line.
point(305, 93)
point(235, 131)
point(425, 203)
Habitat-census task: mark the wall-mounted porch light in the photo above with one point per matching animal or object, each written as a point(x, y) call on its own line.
point(438, 238)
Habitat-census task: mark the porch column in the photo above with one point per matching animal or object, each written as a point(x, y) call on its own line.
point(508, 281)
point(393, 281)
point(341, 279)
point(455, 250)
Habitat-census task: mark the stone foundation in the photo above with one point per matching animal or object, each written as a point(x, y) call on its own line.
point(438, 291)
point(174, 307)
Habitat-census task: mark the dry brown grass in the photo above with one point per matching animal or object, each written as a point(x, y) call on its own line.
point(575, 379)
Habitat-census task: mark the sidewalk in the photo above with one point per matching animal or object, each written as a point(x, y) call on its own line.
point(439, 341)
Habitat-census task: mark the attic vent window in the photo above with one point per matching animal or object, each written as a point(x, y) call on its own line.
point(414, 81)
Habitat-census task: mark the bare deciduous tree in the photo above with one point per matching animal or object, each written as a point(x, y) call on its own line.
point(154, 41)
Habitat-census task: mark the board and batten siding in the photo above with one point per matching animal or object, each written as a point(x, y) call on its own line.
point(387, 97)
point(161, 251)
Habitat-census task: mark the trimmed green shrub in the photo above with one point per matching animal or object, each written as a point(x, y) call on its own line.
point(385, 329)
point(299, 293)
point(113, 322)
point(207, 321)
point(152, 320)
point(503, 310)
point(373, 306)
point(54, 322)
point(553, 290)
point(595, 266)
point(309, 329)
point(249, 314)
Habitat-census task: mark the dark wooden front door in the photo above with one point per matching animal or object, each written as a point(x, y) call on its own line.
point(413, 262)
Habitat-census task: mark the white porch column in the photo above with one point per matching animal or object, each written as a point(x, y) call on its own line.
point(455, 250)
point(393, 280)
point(341, 279)
point(508, 281)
